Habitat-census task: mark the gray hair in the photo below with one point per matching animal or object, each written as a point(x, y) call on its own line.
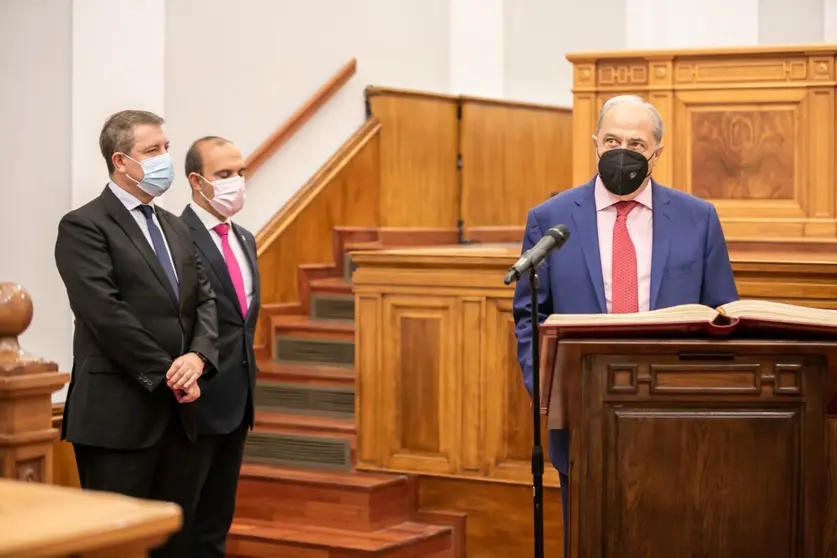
point(619, 99)
point(118, 132)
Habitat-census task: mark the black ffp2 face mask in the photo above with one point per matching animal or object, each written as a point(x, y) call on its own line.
point(623, 171)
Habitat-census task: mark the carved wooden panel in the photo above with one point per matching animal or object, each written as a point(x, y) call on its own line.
point(693, 474)
point(508, 416)
point(420, 393)
point(31, 470)
point(673, 443)
point(744, 154)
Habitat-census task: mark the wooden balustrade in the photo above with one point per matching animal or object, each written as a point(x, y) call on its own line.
point(26, 387)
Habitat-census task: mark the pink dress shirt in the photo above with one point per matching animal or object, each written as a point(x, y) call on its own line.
point(640, 229)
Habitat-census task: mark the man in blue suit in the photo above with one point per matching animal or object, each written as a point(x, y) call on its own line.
point(634, 246)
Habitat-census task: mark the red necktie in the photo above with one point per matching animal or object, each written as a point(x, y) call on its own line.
point(233, 268)
point(624, 291)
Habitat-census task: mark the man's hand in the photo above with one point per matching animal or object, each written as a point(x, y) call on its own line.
point(188, 395)
point(184, 372)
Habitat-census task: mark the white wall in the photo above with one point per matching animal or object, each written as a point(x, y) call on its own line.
point(35, 152)
point(240, 68)
point(240, 72)
point(113, 69)
point(538, 34)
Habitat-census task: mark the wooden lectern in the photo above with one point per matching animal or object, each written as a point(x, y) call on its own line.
point(693, 447)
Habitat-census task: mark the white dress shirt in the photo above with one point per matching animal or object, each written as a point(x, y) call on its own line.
point(236, 243)
point(132, 204)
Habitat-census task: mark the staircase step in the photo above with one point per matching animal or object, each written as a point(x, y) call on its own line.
point(305, 424)
point(300, 340)
point(308, 399)
point(331, 299)
point(272, 371)
point(301, 350)
point(249, 538)
point(297, 324)
point(331, 285)
point(303, 441)
point(332, 307)
point(356, 501)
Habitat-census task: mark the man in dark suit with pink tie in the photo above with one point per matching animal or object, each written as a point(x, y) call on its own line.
point(215, 169)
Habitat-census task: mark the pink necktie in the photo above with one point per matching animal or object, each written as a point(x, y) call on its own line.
point(624, 289)
point(233, 268)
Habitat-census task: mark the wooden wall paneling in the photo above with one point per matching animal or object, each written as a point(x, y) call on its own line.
point(499, 515)
point(440, 390)
point(585, 115)
point(419, 144)
point(514, 157)
point(433, 350)
point(508, 418)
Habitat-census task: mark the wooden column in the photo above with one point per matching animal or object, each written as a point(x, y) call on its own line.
point(26, 387)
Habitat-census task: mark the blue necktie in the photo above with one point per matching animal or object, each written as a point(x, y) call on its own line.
point(160, 248)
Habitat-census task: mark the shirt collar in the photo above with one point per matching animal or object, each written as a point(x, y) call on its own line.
point(128, 199)
point(605, 199)
point(209, 220)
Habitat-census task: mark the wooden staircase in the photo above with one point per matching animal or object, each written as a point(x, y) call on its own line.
point(299, 493)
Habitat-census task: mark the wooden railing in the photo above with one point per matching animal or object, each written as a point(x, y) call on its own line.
point(300, 117)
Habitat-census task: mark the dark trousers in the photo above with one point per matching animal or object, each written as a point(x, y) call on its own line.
point(166, 471)
point(220, 464)
point(565, 507)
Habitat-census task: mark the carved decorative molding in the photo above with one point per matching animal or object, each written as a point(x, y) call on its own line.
point(26, 386)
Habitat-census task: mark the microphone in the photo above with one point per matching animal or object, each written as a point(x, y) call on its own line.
point(534, 257)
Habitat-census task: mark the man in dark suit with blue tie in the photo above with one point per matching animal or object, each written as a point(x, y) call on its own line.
point(635, 245)
point(215, 170)
point(145, 327)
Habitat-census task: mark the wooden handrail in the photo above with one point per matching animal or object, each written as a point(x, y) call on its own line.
point(300, 117)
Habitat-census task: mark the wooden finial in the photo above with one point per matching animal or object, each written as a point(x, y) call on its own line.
point(15, 316)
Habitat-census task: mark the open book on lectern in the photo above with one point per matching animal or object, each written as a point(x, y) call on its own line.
point(741, 316)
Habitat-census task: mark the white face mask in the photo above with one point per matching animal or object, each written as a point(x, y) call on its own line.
point(230, 194)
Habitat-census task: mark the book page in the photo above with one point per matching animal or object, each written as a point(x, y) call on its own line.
point(779, 312)
point(686, 313)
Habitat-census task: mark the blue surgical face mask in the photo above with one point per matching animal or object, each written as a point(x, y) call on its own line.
point(159, 174)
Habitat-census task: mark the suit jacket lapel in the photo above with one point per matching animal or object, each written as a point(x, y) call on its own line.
point(662, 226)
point(252, 261)
point(584, 217)
point(127, 223)
point(203, 241)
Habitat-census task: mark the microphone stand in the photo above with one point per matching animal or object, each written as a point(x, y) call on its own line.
point(537, 450)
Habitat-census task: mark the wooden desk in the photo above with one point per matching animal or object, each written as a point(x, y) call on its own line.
point(439, 386)
point(40, 521)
